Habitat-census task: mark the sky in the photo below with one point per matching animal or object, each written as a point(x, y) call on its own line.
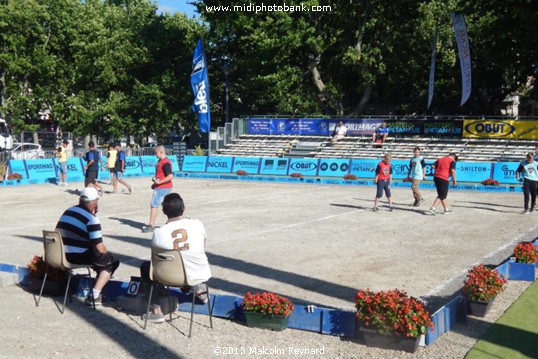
point(176, 5)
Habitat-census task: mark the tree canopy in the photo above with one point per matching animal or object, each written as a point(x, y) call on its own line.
point(117, 67)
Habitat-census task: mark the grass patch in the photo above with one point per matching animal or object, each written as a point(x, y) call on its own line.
point(515, 334)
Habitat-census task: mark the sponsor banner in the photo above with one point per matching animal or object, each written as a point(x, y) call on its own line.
point(42, 170)
point(505, 172)
point(518, 129)
point(274, 166)
point(400, 169)
point(75, 169)
point(490, 128)
point(250, 165)
point(404, 128)
point(333, 167)
point(219, 164)
point(442, 128)
point(305, 166)
point(355, 127)
point(133, 166)
point(173, 160)
point(193, 164)
point(148, 165)
point(18, 166)
point(473, 171)
point(363, 168)
point(200, 88)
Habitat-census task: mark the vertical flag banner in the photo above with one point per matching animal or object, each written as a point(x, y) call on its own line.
point(200, 87)
point(432, 69)
point(460, 32)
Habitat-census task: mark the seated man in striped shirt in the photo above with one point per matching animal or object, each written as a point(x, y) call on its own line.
point(83, 243)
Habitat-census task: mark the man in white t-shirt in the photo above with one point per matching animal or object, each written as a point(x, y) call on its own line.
point(192, 238)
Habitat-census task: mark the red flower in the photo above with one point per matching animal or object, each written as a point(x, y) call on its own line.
point(392, 311)
point(267, 303)
point(483, 284)
point(526, 253)
point(38, 267)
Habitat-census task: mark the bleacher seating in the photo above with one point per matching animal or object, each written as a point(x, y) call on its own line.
point(488, 150)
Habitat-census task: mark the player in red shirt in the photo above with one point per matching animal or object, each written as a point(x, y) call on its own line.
point(445, 167)
point(383, 178)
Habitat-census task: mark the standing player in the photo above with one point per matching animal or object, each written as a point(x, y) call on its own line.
point(93, 159)
point(162, 185)
point(62, 162)
point(416, 174)
point(445, 168)
point(119, 168)
point(111, 162)
point(383, 178)
point(529, 169)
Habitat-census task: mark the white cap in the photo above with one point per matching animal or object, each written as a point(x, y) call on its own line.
point(89, 194)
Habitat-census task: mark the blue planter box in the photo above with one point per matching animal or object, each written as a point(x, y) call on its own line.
point(521, 271)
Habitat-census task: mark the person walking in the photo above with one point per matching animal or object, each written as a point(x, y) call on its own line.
point(528, 173)
point(111, 162)
point(162, 185)
point(383, 179)
point(83, 241)
point(416, 173)
point(93, 162)
point(62, 163)
point(119, 168)
point(445, 168)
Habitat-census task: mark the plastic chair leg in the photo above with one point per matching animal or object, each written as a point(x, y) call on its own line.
point(149, 303)
point(41, 291)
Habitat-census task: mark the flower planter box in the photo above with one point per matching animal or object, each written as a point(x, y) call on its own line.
point(478, 308)
point(521, 271)
point(52, 288)
point(372, 338)
point(258, 320)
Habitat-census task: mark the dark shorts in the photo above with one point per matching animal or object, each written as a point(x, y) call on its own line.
point(442, 187)
point(383, 185)
point(98, 261)
point(91, 177)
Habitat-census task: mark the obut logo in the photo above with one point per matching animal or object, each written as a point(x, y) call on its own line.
point(490, 129)
point(132, 164)
point(305, 166)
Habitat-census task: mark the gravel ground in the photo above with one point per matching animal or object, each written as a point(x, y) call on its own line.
point(28, 331)
point(316, 244)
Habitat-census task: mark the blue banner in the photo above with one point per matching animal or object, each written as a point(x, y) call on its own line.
point(505, 172)
point(250, 165)
point(200, 88)
point(219, 164)
point(18, 166)
point(194, 163)
point(75, 169)
point(473, 171)
point(173, 160)
point(148, 165)
point(305, 166)
point(42, 170)
point(363, 168)
point(400, 169)
point(133, 166)
point(331, 167)
point(274, 166)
